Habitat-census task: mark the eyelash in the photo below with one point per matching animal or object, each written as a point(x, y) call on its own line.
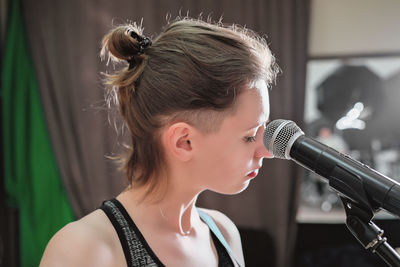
point(249, 139)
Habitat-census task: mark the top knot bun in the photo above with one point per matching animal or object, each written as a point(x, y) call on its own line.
point(121, 43)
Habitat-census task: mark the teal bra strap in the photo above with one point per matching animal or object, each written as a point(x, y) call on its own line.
point(214, 228)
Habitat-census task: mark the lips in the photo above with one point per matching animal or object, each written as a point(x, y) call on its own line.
point(253, 173)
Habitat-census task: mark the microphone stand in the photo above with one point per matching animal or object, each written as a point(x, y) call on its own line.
point(358, 221)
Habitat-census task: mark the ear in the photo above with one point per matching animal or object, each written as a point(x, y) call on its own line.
point(177, 140)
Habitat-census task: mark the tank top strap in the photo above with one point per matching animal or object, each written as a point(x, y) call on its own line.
point(215, 230)
point(136, 250)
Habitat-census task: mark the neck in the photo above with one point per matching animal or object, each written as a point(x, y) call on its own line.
point(175, 211)
point(179, 214)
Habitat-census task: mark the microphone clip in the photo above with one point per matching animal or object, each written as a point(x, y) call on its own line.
point(358, 221)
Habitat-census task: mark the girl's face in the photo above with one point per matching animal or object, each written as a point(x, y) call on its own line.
point(231, 157)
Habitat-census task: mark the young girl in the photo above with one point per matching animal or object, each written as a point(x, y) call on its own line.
point(195, 100)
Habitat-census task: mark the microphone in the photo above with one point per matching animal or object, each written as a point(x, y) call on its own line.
point(350, 178)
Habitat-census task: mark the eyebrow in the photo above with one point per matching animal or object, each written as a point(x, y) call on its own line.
point(258, 124)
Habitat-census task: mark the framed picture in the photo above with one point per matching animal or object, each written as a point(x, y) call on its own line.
point(353, 106)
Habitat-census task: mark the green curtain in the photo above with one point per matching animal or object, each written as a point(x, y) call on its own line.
point(32, 179)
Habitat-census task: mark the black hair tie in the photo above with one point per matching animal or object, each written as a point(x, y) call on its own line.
point(143, 41)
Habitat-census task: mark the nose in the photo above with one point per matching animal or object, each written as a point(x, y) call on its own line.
point(261, 151)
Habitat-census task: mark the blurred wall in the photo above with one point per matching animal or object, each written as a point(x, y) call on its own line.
point(343, 27)
point(3, 20)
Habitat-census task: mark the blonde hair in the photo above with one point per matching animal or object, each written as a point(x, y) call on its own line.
point(192, 72)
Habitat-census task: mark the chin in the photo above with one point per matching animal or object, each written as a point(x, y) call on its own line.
point(234, 189)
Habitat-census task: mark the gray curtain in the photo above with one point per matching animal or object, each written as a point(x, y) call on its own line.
point(65, 40)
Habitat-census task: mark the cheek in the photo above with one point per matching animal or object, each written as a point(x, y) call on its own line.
point(228, 176)
point(225, 158)
point(232, 160)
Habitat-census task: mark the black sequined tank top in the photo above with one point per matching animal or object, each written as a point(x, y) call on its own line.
point(137, 251)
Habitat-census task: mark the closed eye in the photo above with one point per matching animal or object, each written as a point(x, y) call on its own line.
point(249, 139)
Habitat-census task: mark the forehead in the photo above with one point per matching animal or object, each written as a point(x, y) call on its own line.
point(261, 88)
point(252, 107)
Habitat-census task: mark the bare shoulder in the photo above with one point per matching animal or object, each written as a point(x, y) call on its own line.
point(229, 231)
point(86, 242)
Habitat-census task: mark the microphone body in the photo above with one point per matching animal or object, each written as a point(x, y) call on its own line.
point(348, 177)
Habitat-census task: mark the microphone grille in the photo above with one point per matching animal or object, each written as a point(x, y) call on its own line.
point(279, 136)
